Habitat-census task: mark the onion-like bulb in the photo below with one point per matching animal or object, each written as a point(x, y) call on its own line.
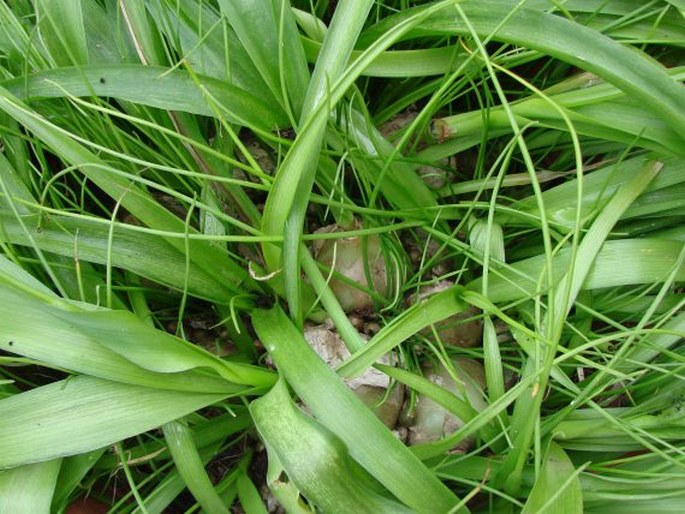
point(363, 266)
point(457, 330)
point(429, 421)
point(372, 387)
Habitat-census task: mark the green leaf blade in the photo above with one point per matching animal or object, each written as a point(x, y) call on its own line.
point(557, 489)
point(314, 458)
point(84, 413)
point(335, 406)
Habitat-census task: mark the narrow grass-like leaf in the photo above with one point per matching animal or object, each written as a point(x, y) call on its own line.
point(105, 34)
point(249, 496)
point(527, 408)
point(347, 22)
point(590, 246)
point(138, 202)
point(678, 4)
point(633, 72)
point(434, 449)
point(207, 434)
point(15, 42)
point(598, 187)
point(156, 350)
point(410, 63)
point(397, 180)
point(143, 187)
point(493, 361)
point(195, 31)
point(654, 344)
point(187, 459)
point(623, 429)
point(336, 407)
point(487, 240)
point(595, 108)
point(24, 280)
point(85, 413)
point(208, 437)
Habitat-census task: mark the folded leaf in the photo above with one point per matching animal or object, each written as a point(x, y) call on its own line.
point(314, 458)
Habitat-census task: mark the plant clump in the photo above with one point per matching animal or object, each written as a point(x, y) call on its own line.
point(428, 421)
